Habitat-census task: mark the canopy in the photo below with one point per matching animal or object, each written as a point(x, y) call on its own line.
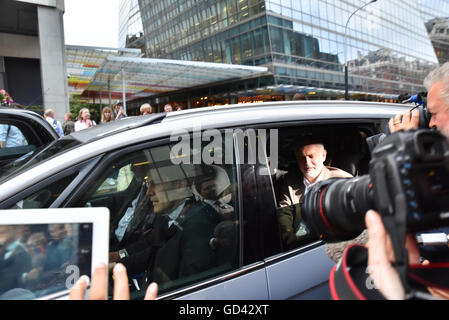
point(95, 72)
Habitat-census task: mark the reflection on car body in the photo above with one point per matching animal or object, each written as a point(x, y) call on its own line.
point(203, 231)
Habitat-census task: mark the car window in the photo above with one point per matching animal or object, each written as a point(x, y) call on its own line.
point(311, 154)
point(174, 217)
point(36, 156)
point(44, 197)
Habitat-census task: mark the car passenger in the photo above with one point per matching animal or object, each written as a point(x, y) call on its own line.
point(170, 201)
point(310, 156)
point(224, 239)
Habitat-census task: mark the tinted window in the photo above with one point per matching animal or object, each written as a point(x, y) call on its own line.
point(32, 157)
point(173, 221)
point(45, 196)
point(308, 155)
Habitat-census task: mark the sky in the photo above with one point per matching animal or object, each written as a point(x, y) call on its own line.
point(91, 23)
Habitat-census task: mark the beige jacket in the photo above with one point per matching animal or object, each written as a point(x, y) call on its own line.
point(292, 188)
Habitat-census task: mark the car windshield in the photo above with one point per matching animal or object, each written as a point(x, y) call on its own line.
point(41, 154)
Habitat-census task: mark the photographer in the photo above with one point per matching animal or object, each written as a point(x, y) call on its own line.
point(380, 252)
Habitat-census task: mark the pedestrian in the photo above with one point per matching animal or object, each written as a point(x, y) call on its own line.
point(119, 112)
point(68, 126)
point(145, 109)
point(107, 115)
point(84, 121)
point(50, 117)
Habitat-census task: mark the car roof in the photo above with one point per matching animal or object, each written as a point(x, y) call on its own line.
point(110, 137)
point(231, 115)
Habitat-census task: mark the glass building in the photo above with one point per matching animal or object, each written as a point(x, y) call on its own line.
point(388, 45)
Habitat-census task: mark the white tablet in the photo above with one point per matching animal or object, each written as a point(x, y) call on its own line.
point(43, 252)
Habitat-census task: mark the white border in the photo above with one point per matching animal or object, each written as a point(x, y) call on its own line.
point(99, 217)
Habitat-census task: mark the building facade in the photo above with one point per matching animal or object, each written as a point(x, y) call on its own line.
point(305, 44)
point(32, 54)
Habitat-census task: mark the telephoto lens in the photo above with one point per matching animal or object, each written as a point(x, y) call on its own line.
point(408, 180)
point(335, 208)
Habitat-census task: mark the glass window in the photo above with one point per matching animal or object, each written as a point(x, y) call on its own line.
point(174, 219)
point(45, 196)
point(328, 145)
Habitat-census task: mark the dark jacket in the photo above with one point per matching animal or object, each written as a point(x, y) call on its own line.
point(12, 269)
point(188, 251)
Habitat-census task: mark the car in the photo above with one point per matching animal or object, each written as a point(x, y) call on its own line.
point(22, 131)
point(181, 160)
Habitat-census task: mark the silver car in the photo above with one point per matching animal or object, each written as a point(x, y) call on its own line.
point(194, 195)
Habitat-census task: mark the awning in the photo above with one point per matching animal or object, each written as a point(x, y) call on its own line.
point(83, 63)
point(99, 71)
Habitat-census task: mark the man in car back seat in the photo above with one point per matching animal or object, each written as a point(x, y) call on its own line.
point(310, 156)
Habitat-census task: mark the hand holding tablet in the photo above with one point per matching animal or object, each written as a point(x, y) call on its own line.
point(44, 252)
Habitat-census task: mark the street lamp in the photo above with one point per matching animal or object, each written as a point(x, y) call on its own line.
point(346, 39)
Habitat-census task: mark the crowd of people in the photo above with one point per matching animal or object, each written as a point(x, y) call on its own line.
point(33, 259)
point(83, 120)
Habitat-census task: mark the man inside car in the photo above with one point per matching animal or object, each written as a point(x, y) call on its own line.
point(310, 157)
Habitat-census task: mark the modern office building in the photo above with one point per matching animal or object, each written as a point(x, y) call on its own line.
point(304, 43)
point(32, 53)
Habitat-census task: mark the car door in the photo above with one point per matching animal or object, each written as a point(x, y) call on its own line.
point(300, 269)
point(164, 224)
point(22, 132)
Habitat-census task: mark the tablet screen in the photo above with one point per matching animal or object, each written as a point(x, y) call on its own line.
point(38, 260)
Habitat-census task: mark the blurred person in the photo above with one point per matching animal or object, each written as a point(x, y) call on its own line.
point(145, 109)
point(14, 259)
point(168, 108)
point(84, 121)
point(207, 188)
point(68, 126)
point(59, 247)
point(127, 229)
point(11, 136)
point(300, 96)
point(178, 108)
point(107, 115)
point(50, 117)
point(119, 112)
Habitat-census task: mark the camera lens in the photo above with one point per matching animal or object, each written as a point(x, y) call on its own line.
point(335, 208)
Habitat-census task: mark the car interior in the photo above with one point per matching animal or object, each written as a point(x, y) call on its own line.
point(347, 150)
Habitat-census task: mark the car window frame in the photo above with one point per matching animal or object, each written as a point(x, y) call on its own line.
point(371, 123)
point(113, 155)
point(82, 169)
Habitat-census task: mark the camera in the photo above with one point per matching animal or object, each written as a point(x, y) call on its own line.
point(420, 101)
point(408, 173)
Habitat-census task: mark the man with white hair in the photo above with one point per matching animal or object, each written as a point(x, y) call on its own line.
point(310, 157)
point(145, 109)
point(437, 85)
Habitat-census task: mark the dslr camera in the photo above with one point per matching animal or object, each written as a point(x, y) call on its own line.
point(408, 182)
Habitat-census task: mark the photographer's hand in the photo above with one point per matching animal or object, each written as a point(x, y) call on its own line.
point(405, 121)
point(380, 257)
